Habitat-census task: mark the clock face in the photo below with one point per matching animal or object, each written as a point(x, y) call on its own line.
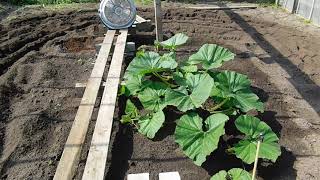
point(117, 14)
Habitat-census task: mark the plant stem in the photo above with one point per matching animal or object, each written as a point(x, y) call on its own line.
point(222, 111)
point(219, 105)
point(162, 79)
point(134, 124)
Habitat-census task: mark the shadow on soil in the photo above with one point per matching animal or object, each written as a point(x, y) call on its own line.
point(298, 77)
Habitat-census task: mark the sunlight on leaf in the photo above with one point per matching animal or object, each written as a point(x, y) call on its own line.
point(175, 41)
point(211, 56)
point(196, 143)
point(149, 125)
point(232, 174)
point(246, 149)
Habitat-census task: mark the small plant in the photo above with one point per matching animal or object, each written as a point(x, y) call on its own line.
point(159, 81)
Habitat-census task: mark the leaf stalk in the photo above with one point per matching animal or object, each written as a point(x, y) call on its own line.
point(219, 105)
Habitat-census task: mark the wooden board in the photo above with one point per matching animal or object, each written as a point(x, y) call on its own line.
point(141, 176)
point(215, 7)
point(169, 176)
point(70, 156)
point(97, 157)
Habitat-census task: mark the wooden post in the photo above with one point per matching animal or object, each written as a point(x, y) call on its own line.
point(158, 20)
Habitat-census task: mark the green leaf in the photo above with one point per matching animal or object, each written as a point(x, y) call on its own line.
point(229, 84)
point(153, 97)
point(135, 84)
point(175, 41)
point(131, 109)
point(194, 91)
point(131, 112)
point(189, 68)
point(246, 149)
point(168, 61)
point(149, 125)
point(149, 62)
point(196, 143)
point(211, 56)
point(232, 174)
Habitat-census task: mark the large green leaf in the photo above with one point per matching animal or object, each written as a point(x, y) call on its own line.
point(246, 149)
point(149, 62)
point(194, 91)
point(235, 86)
point(232, 174)
point(175, 41)
point(153, 96)
point(211, 56)
point(150, 124)
point(196, 143)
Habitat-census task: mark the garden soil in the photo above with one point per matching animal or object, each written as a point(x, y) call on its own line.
point(44, 53)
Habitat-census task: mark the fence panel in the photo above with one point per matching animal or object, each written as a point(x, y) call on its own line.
point(316, 12)
point(288, 4)
point(304, 8)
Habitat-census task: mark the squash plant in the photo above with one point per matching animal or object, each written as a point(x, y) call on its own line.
point(157, 81)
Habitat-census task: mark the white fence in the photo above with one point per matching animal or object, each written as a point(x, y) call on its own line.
point(309, 9)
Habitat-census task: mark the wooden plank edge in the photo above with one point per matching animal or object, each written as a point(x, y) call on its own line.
point(169, 176)
point(222, 8)
point(70, 156)
point(97, 157)
point(141, 176)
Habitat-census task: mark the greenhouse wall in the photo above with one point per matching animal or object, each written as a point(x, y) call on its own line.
point(309, 9)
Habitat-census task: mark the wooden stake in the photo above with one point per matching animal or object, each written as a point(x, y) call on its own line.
point(158, 20)
point(257, 157)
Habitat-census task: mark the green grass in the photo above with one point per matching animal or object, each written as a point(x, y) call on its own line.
point(306, 21)
point(32, 2)
point(143, 2)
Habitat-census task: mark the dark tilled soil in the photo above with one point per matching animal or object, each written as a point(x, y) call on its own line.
point(44, 53)
point(42, 56)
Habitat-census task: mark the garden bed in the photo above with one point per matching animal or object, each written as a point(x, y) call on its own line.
point(40, 64)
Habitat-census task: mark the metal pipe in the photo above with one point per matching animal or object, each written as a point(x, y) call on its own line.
point(298, 7)
point(312, 8)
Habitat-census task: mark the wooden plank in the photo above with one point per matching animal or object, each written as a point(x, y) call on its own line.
point(158, 20)
point(223, 7)
point(141, 176)
point(169, 176)
point(83, 85)
point(97, 157)
point(70, 156)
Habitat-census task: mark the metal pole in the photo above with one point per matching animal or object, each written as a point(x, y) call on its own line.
point(158, 20)
point(298, 7)
point(312, 8)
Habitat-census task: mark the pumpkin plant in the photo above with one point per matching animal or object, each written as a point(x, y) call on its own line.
point(154, 81)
